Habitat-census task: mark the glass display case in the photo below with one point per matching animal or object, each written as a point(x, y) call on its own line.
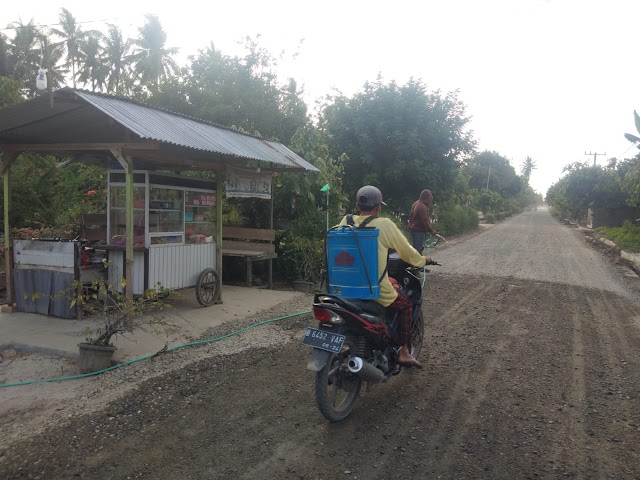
point(199, 215)
point(168, 209)
point(174, 232)
point(166, 215)
point(118, 219)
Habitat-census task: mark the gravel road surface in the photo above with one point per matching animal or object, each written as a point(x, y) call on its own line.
point(532, 370)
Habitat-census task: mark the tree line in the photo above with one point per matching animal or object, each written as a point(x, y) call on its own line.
point(100, 61)
point(584, 186)
point(400, 137)
point(614, 186)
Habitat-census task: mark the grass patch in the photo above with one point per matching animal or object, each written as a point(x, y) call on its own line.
point(626, 237)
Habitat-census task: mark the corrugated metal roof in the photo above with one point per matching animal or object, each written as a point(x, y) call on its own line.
point(162, 126)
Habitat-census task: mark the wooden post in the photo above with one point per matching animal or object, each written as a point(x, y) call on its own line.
point(77, 261)
point(219, 187)
point(129, 235)
point(9, 157)
point(270, 281)
point(127, 165)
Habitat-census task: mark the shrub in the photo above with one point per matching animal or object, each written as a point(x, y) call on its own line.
point(456, 220)
point(301, 258)
point(118, 316)
point(66, 232)
point(300, 248)
point(489, 218)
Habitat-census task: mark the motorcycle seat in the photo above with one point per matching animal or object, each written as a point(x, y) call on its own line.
point(353, 304)
point(368, 306)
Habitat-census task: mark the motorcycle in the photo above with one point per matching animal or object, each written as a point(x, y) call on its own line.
point(353, 341)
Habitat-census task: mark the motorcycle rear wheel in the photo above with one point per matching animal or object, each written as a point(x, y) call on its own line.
point(417, 336)
point(337, 389)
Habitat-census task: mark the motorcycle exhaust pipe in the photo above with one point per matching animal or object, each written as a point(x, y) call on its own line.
point(366, 371)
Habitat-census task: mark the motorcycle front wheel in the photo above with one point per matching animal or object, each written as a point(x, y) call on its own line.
point(337, 389)
point(417, 335)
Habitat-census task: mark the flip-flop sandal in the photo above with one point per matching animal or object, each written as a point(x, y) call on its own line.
point(415, 364)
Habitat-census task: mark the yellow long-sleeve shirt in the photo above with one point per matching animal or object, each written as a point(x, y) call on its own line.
point(390, 236)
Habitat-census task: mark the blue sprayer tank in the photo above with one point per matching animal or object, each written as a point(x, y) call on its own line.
point(352, 262)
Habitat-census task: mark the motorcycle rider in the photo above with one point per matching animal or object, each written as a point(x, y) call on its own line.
point(420, 221)
point(369, 203)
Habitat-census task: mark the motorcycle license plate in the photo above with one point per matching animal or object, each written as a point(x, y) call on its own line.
point(331, 342)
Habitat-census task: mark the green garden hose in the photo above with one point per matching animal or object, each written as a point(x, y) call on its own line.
point(177, 347)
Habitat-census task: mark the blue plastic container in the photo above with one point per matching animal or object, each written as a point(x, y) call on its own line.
point(352, 262)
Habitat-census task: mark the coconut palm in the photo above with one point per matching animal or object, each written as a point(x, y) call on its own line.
point(26, 55)
point(117, 53)
point(72, 36)
point(5, 56)
point(57, 74)
point(151, 59)
point(92, 65)
point(527, 167)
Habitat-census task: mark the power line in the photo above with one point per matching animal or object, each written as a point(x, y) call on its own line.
point(632, 145)
point(58, 24)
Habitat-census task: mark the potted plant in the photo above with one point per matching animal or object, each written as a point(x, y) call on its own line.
point(117, 315)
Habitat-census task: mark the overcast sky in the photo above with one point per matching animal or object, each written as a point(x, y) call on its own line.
point(551, 79)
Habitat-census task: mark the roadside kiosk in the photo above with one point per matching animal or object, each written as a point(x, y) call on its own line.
point(161, 220)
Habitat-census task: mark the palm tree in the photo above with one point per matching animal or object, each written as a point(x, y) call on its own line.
point(151, 60)
point(5, 56)
point(57, 75)
point(116, 55)
point(632, 138)
point(26, 55)
point(527, 167)
point(72, 36)
point(92, 66)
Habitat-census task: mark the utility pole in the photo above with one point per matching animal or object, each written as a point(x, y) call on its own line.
point(594, 156)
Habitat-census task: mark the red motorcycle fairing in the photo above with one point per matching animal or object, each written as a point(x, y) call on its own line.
point(373, 326)
point(362, 312)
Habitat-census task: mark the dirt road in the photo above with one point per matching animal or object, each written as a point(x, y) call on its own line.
point(532, 371)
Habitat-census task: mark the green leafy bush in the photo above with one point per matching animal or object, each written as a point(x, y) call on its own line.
point(300, 248)
point(454, 220)
point(301, 258)
point(489, 218)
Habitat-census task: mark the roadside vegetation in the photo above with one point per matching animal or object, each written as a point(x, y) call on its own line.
point(627, 237)
point(611, 192)
point(400, 137)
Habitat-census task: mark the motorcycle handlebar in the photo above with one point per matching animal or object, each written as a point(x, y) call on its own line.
point(432, 262)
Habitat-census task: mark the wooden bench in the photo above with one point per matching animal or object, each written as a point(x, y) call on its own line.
point(253, 244)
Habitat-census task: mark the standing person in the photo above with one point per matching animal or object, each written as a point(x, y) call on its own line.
point(420, 220)
point(369, 203)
